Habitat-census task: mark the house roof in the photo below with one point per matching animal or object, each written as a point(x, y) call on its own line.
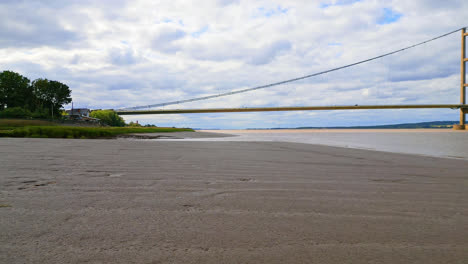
point(78, 112)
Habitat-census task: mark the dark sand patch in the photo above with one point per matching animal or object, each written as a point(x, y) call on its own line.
point(176, 135)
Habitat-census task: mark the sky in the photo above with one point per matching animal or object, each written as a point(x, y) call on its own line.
point(118, 53)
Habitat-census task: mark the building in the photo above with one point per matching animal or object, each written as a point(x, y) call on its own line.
point(78, 113)
point(81, 114)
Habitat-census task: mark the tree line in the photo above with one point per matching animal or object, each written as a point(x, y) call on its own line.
point(41, 98)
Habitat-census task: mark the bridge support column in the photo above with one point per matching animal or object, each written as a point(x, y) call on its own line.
point(463, 84)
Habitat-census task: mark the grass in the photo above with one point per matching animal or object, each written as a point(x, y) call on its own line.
point(11, 123)
point(44, 129)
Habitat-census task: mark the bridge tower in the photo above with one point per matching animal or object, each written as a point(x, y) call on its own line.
point(463, 84)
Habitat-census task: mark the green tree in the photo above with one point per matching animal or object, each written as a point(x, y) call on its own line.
point(15, 112)
point(39, 87)
point(133, 124)
point(50, 95)
point(15, 90)
point(108, 117)
point(61, 94)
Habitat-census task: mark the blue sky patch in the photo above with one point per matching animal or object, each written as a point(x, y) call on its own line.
point(169, 21)
point(269, 12)
point(200, 32)
point(338, 3)
point(389, 16)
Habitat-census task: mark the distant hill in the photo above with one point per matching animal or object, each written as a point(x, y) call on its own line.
point(433, 124)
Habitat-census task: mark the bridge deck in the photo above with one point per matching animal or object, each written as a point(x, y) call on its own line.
point(296, 108)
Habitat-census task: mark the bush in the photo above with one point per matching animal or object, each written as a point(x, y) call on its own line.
point(108, 117)
point(132, 124)
point(15, 112)
point(40, 114)
point(6, 133)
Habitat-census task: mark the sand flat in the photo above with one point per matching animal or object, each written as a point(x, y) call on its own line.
point(444, 143)
point(123, 201)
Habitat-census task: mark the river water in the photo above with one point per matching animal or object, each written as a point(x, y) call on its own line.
point(430, 142)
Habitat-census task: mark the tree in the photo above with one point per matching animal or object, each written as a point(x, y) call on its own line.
point(133, 124)
point(39, 87)
point(108, 117)
point(42, 98)
point(61, 94)
point(15, 90)
point(51, 95)
point(15, 112)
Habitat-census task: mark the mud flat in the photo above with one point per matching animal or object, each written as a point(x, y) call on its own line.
point(137, 201)
point(178, 135)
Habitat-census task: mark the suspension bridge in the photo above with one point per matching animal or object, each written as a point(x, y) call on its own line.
point(462, 106)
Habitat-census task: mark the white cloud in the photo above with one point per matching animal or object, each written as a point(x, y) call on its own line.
point(125, 53)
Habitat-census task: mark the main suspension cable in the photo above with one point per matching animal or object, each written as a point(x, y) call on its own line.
point(291, 80)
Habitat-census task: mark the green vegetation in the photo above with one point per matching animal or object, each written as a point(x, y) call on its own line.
point(48, 131)
point(19, 112)
point(19, 98)
point(15, 112)
point(133, 124)
point(21, 101)
point(15, 123)
point(108, 117)
point(15, 90)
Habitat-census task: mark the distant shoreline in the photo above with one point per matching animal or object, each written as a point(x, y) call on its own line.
point(430, 125)
point(324, 130)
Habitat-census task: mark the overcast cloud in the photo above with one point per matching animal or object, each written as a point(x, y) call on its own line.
point(117, 54)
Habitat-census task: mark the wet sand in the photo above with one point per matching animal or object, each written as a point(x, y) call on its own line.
point(178, 135)
point(130, 201)
point(444, 143)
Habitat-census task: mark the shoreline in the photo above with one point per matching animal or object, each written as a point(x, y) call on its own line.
point(344, 130)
